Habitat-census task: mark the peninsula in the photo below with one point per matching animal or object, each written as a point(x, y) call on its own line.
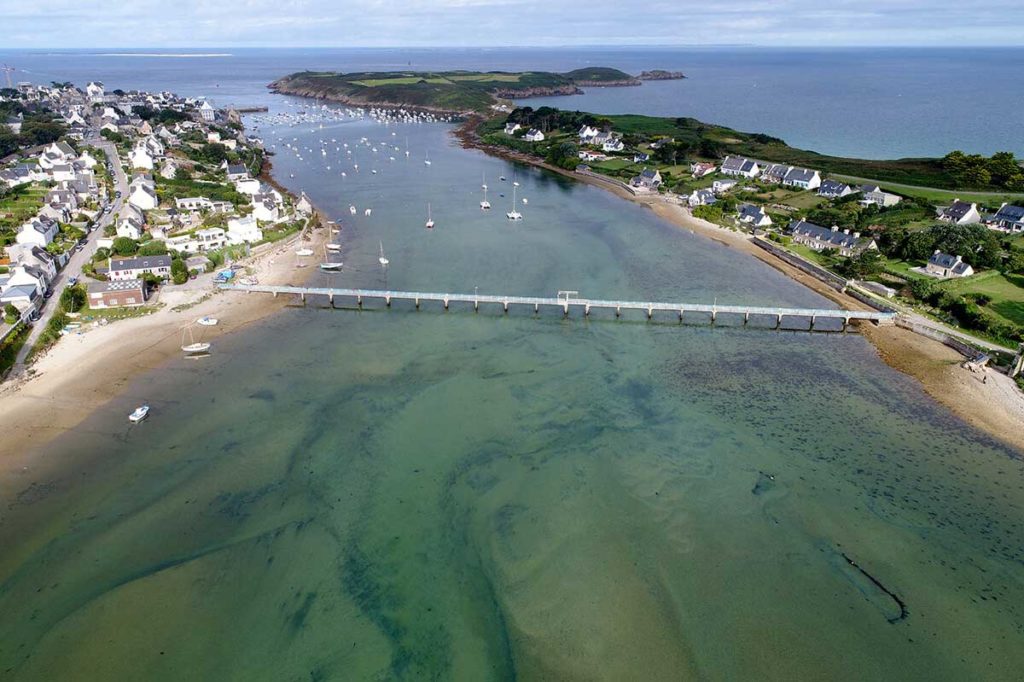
point(451, 92)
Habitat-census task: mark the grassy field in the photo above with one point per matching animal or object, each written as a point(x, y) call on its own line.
point(1006, 292)
point(449, 90)
point(938, 196)
point(21, 204)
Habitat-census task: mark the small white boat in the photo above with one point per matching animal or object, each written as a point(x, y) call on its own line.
point(367, 212)
point(426, 161)
point(525, 200)
point(514, 214)
point(328, 266)
point(382, 260)
point(333, 246)
point(208, 321)
point(352, 210)
point(138, 414)
point(192, 346)
point(430, 220)
point(304, 252)
point(485, 205)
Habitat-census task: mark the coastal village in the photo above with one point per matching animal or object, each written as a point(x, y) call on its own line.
point(131, 195)
point(953, 266)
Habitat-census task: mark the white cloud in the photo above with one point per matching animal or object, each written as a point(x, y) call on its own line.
point(200, 23)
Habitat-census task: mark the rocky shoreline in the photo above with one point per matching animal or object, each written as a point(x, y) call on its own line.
point(661, 75)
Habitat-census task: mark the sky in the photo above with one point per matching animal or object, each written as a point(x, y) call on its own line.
point(475, 23)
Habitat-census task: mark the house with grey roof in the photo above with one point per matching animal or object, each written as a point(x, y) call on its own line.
point(648, 180)
point(701, 197)
point(820, 238)
point(873, 195)
point(833, 189)
point(1008, 218)
point(133, 268)
point(945, 266)
point(738, 165)
point(752, 215)
point(960, 213)
point(803, 178)
point(775, 173)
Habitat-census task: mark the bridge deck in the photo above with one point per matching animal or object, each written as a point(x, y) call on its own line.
point(647, 307)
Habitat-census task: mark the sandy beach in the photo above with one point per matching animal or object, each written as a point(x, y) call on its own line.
point(83, 371)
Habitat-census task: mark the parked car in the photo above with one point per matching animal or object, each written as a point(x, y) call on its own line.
point(72, 281)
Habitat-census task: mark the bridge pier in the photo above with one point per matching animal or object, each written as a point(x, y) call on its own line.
point(811, 328)
point(359, 301)
point(417, 303)
point(650, 311)
point(446, 303)
point(746, 318)
point(565, 309)
point(714, 315)
point(618, 311)
point(303, 297)
point(536, 308)
point(846, 322)
point(330, 299)
point(680, 315)
point(506, 307)
point(476, 306)
point(387, 301)
point(586, 310)
point(778, 321)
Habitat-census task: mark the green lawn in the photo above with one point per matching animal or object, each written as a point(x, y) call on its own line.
point(939, 196)
point(21, 204)
point(406, 80)
point(488, 77)
point(1006, 292)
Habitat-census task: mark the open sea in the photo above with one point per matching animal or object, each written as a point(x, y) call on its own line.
point(393, 494)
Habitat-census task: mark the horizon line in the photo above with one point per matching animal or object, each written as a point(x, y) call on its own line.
point(606, 46)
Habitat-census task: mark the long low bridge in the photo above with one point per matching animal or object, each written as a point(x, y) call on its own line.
point(569, 300)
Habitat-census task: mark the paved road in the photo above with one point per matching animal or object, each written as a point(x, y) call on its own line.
point(78, 258)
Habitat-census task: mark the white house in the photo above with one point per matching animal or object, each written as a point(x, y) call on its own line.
point(701, 197)
point(242, 230)
point(614, 144)
point(960, 213)
point(802, 178)
point(141, 158)
point(236, 172)
point(534, 135)
point(27, 275)
point(511, 128)
point(131, 223)
point(207, 112)
point(752, 215)
point(587, 134)
point(832, 189)
point(38, 231)
point(721, 186)
point(250, 186)
point(648, 181)
point(945, 266)
point(133, 268)
point(192, 203)
point(211, 238)
point(873, 194)
point(737, 165)
point(142, 193)
point(265, 210)
point(1008, 218)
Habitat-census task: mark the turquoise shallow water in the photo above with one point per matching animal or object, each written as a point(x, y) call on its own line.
point(417, 495)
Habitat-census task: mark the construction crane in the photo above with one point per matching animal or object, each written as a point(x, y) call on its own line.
point(8, 70)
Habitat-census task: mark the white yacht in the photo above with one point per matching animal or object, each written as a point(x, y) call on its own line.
point(382, 260)
point(430, 219)
point(138, 414)
point(514, 214)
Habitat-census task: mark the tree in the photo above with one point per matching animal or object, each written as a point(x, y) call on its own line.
point(564, 155)
point(73, 298)
point(11, 314)
point(153, 248)
point(179, 271)
point(1003, 168)
point(125, 246)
